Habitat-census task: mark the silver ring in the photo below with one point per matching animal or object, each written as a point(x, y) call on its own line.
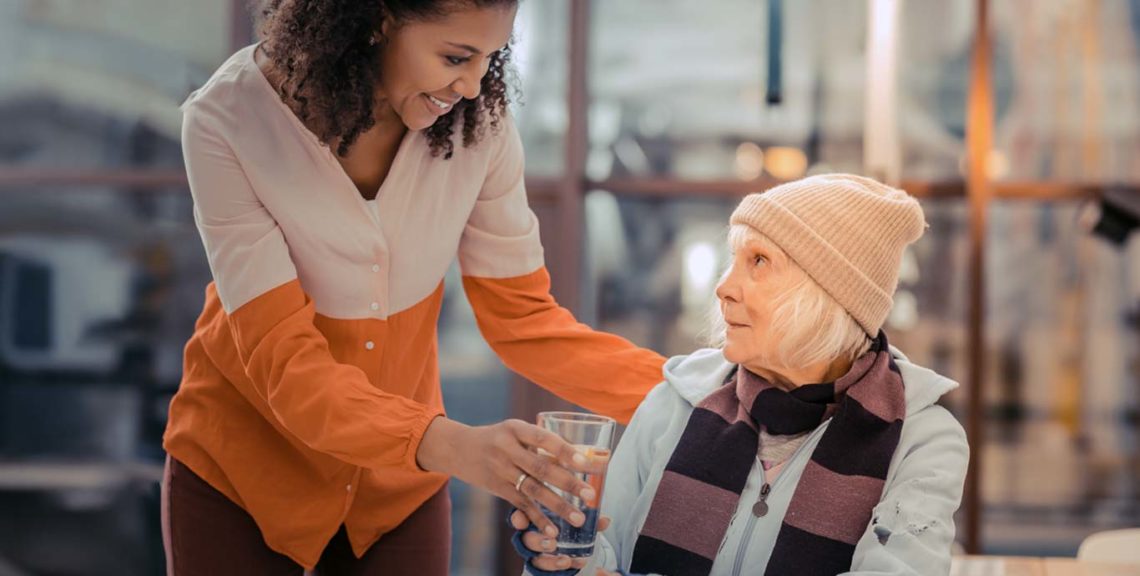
point(519, 482)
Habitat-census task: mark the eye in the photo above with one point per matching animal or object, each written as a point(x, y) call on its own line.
point(456, 60)
point(759, 260)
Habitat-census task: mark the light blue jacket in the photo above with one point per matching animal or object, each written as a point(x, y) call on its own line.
point(913, 527)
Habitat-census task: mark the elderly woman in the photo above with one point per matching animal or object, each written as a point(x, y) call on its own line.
point(803, 444)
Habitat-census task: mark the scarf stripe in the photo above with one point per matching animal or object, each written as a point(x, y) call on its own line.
point(671, 559)
point(708, 453)
point(673, 523)
point(833, 502)
point(871, 456)
point(801, 552)
point(836, 495)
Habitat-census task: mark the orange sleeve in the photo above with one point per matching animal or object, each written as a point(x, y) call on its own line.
point(542, 341)
point(329, 406)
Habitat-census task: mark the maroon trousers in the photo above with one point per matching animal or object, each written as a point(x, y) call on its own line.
point(206, 534)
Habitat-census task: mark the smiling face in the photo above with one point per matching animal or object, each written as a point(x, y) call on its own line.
point(429, 66)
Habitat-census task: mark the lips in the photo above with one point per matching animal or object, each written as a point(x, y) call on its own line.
point(439, 104)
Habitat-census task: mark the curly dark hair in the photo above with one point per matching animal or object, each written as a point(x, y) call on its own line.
point(330, 65)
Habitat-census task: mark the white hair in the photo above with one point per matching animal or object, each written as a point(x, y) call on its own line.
point(813, 327)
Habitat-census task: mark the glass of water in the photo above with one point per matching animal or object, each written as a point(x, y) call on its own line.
point(593, 436)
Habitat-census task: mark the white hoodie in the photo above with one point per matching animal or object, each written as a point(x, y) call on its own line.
point(912, 529)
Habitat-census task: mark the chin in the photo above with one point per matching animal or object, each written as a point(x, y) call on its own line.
point(417, 123)
point(732, 353)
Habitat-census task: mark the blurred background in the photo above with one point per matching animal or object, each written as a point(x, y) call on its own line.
point(1016, 122)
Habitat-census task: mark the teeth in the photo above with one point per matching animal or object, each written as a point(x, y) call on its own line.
point(439, 103)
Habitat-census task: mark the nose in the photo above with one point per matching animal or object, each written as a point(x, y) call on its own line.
point(728, 289)
point(469, 84)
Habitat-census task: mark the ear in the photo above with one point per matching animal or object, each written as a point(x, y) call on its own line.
point(381, 35)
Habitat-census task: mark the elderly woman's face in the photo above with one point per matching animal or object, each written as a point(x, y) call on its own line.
point(749, 293)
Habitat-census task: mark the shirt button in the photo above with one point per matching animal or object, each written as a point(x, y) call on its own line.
point(375, 306)
point(375, 267)
point(348, 488)
point(369, 345)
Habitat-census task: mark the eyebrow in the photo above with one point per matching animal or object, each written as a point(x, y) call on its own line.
point(466, 47)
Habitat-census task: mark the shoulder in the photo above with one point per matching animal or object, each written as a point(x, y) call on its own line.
point(659, 411)
point(223, 101)
point(932, 422)
point(500, 143)
point(933, 440)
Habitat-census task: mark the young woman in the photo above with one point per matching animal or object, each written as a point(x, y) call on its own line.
point(338, 167)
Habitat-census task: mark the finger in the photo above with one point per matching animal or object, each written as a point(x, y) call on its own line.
point(551, 563)
point(554, 563)
point(538, 542)
point(547, 470)
point(529, 509)
point(519, 521)
point(538, 492)
point(603, 523)
point(534, 437)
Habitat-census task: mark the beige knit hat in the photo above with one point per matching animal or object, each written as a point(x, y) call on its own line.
point(847, 232)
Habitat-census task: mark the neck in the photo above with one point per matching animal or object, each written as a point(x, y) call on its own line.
point(384, 113)
point(792, 378)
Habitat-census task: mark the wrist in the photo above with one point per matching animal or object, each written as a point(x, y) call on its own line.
point(437, 447)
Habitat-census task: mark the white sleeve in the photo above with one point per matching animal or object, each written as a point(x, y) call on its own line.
point(912, 527)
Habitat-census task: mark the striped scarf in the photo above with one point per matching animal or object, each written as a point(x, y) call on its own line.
point(832, 504)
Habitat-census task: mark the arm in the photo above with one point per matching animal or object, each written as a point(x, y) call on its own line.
point(509, 289)
point(913, 526)
point(329, 406)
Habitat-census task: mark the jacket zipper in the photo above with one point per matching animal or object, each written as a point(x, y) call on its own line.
point(751, 525)
point(765, 491)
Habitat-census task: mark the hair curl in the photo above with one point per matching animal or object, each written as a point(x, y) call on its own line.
point(330, 65)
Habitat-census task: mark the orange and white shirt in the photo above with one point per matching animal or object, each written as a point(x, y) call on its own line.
point(313, 370)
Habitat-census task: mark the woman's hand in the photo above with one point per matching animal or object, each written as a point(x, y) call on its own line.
point(495, 457)
point(604, 572)
point(546, 546)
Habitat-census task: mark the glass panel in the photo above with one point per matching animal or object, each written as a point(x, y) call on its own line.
point(935, 43)
point(1068, 101)
point(99, 290)
point(650, 267)
point(98, 84)
point(928, 321)
point(691, 92)
point(1061, 456)
point(676, 92)
point(476, 391)
point(541, 46)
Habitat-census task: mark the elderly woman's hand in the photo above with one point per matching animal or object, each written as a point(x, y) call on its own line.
point(545, 546)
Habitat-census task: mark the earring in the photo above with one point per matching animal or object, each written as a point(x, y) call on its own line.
point(372, 41)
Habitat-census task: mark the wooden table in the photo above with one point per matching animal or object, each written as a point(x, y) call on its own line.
point(1030, 566)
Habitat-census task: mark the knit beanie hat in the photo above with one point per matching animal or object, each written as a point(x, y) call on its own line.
point(847, 232)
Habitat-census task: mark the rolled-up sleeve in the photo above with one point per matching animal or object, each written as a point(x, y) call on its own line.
point(509, 288)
